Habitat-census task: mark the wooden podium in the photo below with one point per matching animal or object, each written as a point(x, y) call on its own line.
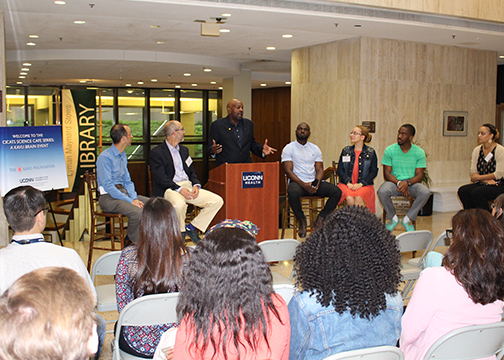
point(250, 192)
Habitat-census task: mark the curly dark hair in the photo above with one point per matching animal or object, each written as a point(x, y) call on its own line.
point(350, 263)
point(227, 281)
point(476, 255)
point(160, 248)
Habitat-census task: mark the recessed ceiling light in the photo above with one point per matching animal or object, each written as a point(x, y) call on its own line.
point(127, 85)
point(26, 64)
point(220, 88)
point(25, 69)
point(82, 81)
point(501, 57)
point(224, 30)
point(213, 82)
point(187, 74)
point(129, 91)
point(22, 77)
point(79, 22)
point(207, 70)
point(194, 84)
point(270, 48)
point(155, 26)
point(59, 2)
point(23, 73)
point(154, 80)
point(140, 83)
point(159, 42)
point(287, 83)
point(33, 36)
point(31, 44)
point(263, 84)
point(287, 36)
point(226, 14)
point(177, 86)
point(19, 82)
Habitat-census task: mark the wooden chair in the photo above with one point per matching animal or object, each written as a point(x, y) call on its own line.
point(311, 204)
point(103, 226)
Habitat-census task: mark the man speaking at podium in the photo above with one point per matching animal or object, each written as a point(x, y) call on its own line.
point(232, 138)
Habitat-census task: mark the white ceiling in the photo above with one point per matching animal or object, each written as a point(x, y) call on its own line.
point(117, 38)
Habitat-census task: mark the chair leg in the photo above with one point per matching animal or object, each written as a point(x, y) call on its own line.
point(91, 244)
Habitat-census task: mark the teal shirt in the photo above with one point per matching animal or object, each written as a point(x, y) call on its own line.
point(404, 164)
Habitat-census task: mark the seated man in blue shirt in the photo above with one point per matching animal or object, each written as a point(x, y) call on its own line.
point(117, 191)
point(303, 165)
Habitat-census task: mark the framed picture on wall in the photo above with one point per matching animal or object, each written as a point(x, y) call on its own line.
point(455, 123)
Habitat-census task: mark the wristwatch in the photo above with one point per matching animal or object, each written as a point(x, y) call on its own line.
point(409, 183)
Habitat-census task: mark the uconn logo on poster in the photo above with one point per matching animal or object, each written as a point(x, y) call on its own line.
point(252, 179)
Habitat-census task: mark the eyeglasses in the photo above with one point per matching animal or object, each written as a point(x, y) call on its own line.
point(449, 233)
point(355, 133)
point(45, 210)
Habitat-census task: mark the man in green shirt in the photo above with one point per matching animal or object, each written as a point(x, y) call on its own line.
point(403, 169)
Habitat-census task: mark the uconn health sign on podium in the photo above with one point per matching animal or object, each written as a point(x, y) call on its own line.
point(252, 179)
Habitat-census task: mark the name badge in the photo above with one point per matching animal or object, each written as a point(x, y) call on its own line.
point(346, 158)
point(188, 161)
point(489, 157)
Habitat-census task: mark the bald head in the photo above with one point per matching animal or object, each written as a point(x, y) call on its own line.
point(235, 110)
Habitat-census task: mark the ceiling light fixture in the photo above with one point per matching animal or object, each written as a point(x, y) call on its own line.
point(287, 83)
point(270, 48)
point(25, 69)
point(194, 84)
point(224, 30)
point(79, 22)
point(23, 73)
point(263, 84)
point(187, 74)
point(207, 69)
point(31, 44)
point(501, 57)
point(33, 36)
point(154, 80)
point(213, 82)
point(287, 36)
point(177, 86)
point(140, 83)
point(22, 77)
point(19, 82)
point(129, 91)
point(26, 64)
point(82, 81)
point(127, 84)
point(220, 88)
point(159, 42)
point(155, 26)
point(226, 15)
point(59, 2)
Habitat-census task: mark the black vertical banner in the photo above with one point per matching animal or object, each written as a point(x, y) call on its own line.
point(79, 133)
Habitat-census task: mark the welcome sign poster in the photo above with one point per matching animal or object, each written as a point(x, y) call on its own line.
point(32, 155)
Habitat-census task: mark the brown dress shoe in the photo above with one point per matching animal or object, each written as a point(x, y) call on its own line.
point(302, 228)
point(319, 222)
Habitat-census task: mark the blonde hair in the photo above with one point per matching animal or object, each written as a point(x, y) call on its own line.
point(47, 314)
point(365, 131)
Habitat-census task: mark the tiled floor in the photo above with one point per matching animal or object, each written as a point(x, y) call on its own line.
point(436, 223)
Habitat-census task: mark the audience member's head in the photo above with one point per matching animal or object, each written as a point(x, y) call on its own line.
point(497, 209)
point(350, 263)
point(227, 277)
point(476, 255)
point(48, 314)
point(160, 249)
point(25, 209)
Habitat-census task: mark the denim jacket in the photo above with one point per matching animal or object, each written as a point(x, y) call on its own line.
point(317, 331)
point(368, 165)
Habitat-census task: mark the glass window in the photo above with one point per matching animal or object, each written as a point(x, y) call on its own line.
point(14, 99)
point(162, 108)
point(107, 113)
point(131, 105)
point(42, 99)
point(191, 114)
